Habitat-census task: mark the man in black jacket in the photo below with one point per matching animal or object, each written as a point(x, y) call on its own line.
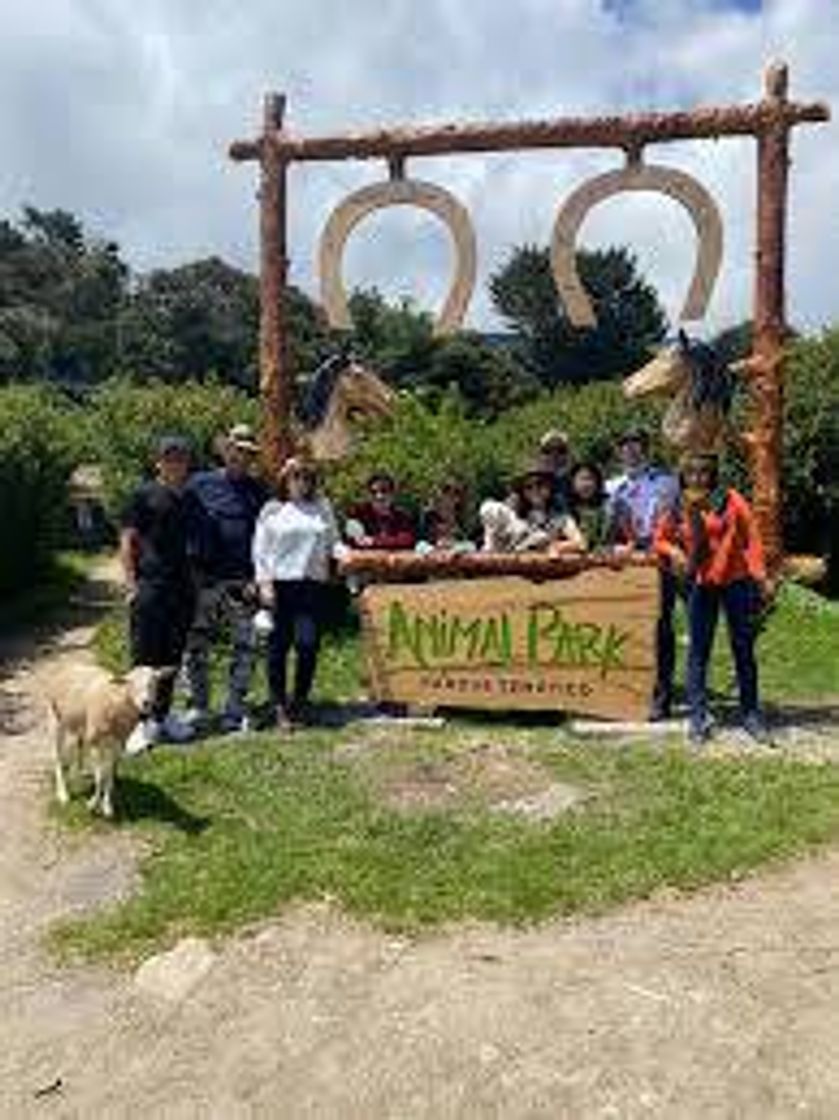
point(154, 550)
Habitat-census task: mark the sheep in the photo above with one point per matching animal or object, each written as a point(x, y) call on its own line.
point(97, 711)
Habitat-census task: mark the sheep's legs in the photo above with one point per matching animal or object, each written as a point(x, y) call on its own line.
point(59, 736)
point(103, 783)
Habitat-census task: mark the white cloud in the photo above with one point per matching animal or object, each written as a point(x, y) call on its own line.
point(123, 113)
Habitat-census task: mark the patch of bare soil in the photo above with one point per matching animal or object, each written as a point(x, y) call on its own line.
point(495, 775)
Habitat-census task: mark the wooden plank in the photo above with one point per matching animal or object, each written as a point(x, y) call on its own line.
point(625, 132)
point(393, 567)
point(584, 643)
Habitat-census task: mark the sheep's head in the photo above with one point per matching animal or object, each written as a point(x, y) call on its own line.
point(143, 682)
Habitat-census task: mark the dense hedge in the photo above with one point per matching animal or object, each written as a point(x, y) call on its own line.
point(422, 448)
point(38, 447)
point(811, 447)
point(40, 440)
point(124, 421)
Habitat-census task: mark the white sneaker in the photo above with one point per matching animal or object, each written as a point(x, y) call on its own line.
point(197, 719)
point(143, 737)
point(263, 623)
point(233, 721)
point(175, 730)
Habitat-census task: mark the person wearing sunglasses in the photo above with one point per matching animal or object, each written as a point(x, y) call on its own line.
point(295, 543)
point(380, 522)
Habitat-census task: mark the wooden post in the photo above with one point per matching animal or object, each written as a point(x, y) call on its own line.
point(274, 376)
point(770, 319)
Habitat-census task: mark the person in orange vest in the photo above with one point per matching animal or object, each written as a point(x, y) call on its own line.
point(711, 541)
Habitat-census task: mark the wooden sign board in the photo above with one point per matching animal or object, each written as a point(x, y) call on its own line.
point(583, 644)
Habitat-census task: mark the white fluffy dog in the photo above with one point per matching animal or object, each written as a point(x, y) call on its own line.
point(505, 531)
point(92, 714)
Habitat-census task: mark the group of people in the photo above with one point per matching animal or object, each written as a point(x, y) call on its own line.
point(218, 549)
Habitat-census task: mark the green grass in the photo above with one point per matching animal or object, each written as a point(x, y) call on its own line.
point(798, 652)
point(236, 829)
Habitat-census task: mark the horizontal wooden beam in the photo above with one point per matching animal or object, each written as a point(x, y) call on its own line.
point(407, 566)
point(629, 133)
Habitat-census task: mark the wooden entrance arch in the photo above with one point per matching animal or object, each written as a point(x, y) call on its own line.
point(770, 121)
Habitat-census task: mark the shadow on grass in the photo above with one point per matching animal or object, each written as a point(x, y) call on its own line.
point(143, 801)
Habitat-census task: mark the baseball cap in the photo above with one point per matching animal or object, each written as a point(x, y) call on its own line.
point(243, 437)
point(172, 444)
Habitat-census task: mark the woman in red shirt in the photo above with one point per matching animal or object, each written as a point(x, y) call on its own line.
point(380, 522)
point(713, 543)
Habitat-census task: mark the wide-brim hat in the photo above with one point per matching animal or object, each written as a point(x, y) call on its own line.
point(242, 436)
point(538, 469)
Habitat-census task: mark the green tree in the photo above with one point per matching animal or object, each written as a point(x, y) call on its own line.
point(59, 295)
point(630, 320)
point(735, 342)
point(399, 341)
point(396, 338)
point(201, 320)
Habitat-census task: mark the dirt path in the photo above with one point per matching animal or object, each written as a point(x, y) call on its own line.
point(725, 1004)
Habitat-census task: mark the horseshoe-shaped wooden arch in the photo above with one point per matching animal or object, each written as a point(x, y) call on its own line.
point(398, 192)
point(637, 177)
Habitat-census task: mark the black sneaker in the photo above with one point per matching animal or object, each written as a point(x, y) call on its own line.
point(755, 727)
point(700, 732)
point(300, 713)
point(659, 710)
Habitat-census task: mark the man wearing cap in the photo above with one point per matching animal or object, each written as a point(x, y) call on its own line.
point(155, 560)
point(555, 452)
point(228, 501)
point(637, 498)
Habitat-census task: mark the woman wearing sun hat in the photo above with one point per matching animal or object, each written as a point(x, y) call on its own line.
point(529, 520)
point(295, 543)
point(712, 542)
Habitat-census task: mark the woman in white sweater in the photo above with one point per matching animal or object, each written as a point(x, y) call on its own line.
point(294, 545)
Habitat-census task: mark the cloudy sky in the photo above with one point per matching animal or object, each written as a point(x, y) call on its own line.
point(122, 112)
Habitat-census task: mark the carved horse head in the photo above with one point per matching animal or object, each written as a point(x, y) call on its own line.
point(701, 385)
point(342, 392)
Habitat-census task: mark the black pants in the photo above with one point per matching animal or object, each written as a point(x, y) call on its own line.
point(298, 612)
point(665, 639)
point(160, 618)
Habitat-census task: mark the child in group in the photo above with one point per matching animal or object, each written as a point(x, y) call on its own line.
point(379, 522)
point(444, 521)
point(713, 544)
point(530, 521)
point(588, 505)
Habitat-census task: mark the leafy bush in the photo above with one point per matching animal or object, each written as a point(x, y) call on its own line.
point(422, 447)
point(811, 448)
point(125, 420)
point(38, 448)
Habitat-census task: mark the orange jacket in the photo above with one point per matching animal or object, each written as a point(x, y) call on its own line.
point(736, 550)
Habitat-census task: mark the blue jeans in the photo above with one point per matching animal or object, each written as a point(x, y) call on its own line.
point(740, 602)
